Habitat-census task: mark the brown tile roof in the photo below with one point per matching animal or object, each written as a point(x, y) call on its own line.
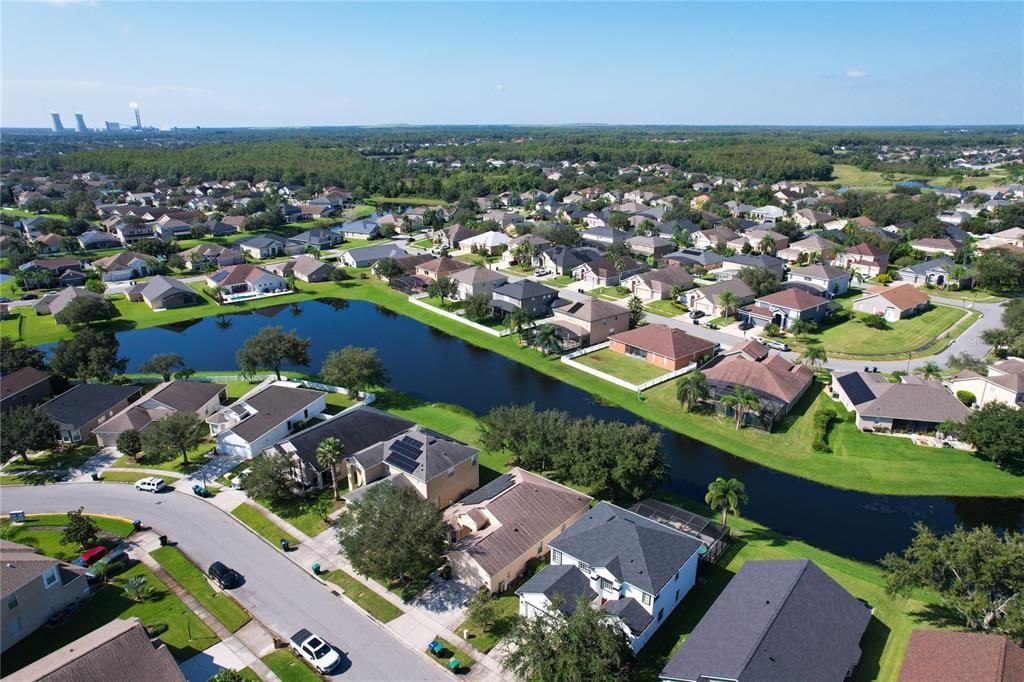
point(865, 249)
point(750, 347)
point(904, 296)
point(236, 274)
point(443, 266)
point(524, 513)
point(665, 341)
point(774, 375)
point(794, 299)
point(934, 655)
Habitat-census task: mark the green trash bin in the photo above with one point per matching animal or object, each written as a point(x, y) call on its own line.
point(316, 569)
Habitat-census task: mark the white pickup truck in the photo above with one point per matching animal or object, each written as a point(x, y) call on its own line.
point(319, 653)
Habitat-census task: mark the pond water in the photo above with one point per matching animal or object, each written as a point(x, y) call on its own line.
point(435, 366)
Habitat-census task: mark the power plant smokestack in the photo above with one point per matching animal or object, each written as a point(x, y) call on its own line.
point(80, 123)
point(58, 127)
point(138, 118)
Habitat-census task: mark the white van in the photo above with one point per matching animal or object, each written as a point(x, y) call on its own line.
point(150, 485)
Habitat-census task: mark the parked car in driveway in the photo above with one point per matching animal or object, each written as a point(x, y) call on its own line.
point(774, 345)
point(227, 578)
point(746, 325)
point(315, 650)
point(90, 556)
point(115, 558)
point(696, 314)
point(152, 484)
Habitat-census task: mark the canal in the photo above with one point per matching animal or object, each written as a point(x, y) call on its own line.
point(437, 367)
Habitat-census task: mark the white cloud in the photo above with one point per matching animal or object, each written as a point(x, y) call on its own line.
point(499, 88)
point(855, 73)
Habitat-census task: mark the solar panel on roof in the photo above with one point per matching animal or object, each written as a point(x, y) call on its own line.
point(856, 389)
point(406, 464)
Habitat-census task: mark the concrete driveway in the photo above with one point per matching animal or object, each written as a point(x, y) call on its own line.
point(276, 591)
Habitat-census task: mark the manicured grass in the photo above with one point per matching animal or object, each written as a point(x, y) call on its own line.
point(451, 651)
point(58, 459)
point(476, 259)
point(362, 211)
point(299, 513)
point(223, 607)
point(196, 459)
point(45, 534)
point(508, 613)
point(449, 305)
point(666, 308)
point(620, 365)
point(856, 178)
point(368, 600)
point(249, 674)
point(854, 339)
point(971, 295)
point(109, 524)
point(128, 477)
point(610, 292)
point(289, 668)
point(186, 634)
point(336, 402)
point(560, 281)
point(267, 529)
point(423, 244)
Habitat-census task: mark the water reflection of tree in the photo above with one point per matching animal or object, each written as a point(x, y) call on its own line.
point(224, 322)
point(386, 312)
point(295, 309)
point(1000, 513)
point(338, 304)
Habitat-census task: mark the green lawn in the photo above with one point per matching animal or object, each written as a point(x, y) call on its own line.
point(223, 607)
point(423, 244)
point(451, 651)
point(971, 295)
point(610, 292)
point(43, 531)
point(856, 178)
point(633, 370)
point(270, 531)
point(186, 634)
point(508, 610)
point(666, 308)
point(362, 211)
point(368, 600)
point(299, 513)
point(448, 306)
point(249, 675)
point(289, 667)
point(59, 459)
point(197, 458)
point(129, 477)
point(560, 281)
point(108, 524)
point(917, 335)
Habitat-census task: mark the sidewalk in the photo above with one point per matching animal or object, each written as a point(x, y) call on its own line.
point(231, 646)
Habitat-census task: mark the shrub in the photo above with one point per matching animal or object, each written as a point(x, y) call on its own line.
point(875, 322)
point(138, 588)
point(772, 330)
point(823, 418)
point(884, 278)
point(966, 397)
point(156, 629)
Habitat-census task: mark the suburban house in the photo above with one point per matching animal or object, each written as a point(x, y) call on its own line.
point(48, 243)
point(164, 293)
point(628, 565)
point(172, 229)
point(437, 467)
point(357, 428)
point(452, 236)
point(123, 645)
point(214, 255)
point(708, 299)
point(664, 347)
point(936, 246)
point(604, 236)
point(92, 240)
point(893, 302)
point(1013, 238)
point(43, 272)
point(707, 239)
point(811, 248)
point(82, 408)
point(752, 240)
point(592, 321)
point(199, 397)
point(1004, 383)
point(317, 238)
point(808, 217)
point(539, 245)
point(658, 285)
point(51, 304)
point(939, 272)
point(262, 246)
point(864, 259)
point(472, 281)
point(433, 270)
point(496, 530)
point(766, 214)
point(777, 383)
point(562, 260)
point(651, 246)
point(784, 308)
point(124, 266)
point(911, 406)
point(245, 279)
point(491, 243)
point(693, 259)
point(604, 272)
point(25, 386)
point(784, 620)
point(950, 655)
point(821, 278)
point(358, 229)
point(731, 266)
point(264, 416)
point(366, 256)
point(303, 267)
point(35, 587)
point(533, 297)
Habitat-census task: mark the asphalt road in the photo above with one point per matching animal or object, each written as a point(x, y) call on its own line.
point(276, 591)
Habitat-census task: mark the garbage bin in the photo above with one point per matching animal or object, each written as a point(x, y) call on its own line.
point(163, 540)
point(95, 476)
point(136, 525)
point(284, 544)
point(316, 569)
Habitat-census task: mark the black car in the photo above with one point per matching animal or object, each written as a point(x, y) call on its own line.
point(744, 326)
point(695, 314)
point(226, 577)
point(30, 297)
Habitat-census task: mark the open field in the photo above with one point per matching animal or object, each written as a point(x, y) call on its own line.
point(855, 178)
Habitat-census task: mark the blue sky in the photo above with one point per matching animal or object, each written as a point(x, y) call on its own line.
point(284, 64)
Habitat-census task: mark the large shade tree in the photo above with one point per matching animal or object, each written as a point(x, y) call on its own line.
point(271, 349)
point(174, 435)
point(26, 429)
point(89, 354)
point(164, 364)
point(356, 369)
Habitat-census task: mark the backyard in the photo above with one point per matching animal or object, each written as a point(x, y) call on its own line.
point(666, 308)
point(621, 366)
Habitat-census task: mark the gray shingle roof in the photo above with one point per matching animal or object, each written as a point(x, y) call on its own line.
point(564, 581)
point(524, 289)
point(782, 620)
point(357, 429)
point(84, 402)
point(437, 452)
point(629, 612)
point(635, 549)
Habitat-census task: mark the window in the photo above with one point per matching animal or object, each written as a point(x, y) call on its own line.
point(556, 556)
point(50, 577)
point(12, 601)
point(646, 598)
point(584, 566)
point(451, 471)
point(661, 614)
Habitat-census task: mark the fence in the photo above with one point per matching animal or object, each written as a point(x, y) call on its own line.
point(368, 398)
point(415, 299)
point(668, 376)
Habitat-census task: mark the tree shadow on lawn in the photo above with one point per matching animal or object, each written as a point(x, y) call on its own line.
point(941, 616)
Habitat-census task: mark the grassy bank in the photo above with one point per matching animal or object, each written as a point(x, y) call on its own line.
point(223, 607)
point(368, 600)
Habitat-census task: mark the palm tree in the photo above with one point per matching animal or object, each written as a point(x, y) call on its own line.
point(766, 245)
point(691, 388)
point(547, 339)
point(519, 320)
point(742, 400)
point(814, 354)
point(727, 300)
point(223, 322)
point(328, 453)
point(929, 370)
point(726, 495)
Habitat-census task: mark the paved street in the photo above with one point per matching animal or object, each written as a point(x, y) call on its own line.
point(276, 591)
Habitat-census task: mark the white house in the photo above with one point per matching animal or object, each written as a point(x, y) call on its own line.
point(245, 279)
point(626, 564)
point(264, 416)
